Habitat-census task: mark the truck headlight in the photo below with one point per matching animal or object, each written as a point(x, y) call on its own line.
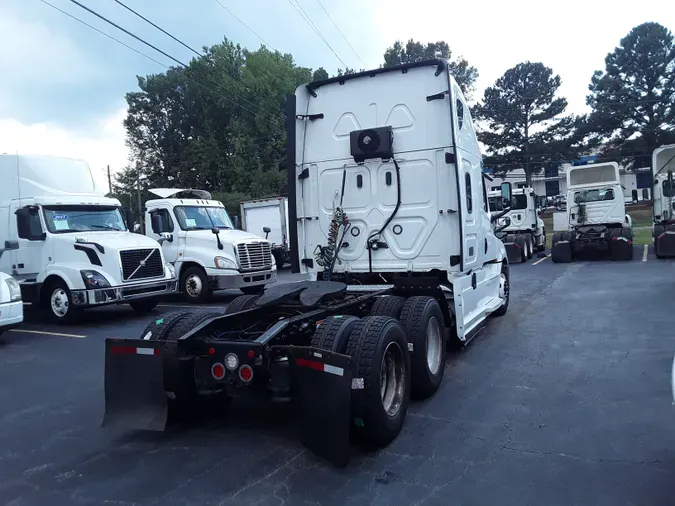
point(170, 269)
point(14, 289)
point(224, 263)
point(93, 280)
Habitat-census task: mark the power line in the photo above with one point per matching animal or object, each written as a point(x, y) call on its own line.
point(163, 53)
point(247, 27)
point(338, 29)
point(186, 46)
point(298, 8)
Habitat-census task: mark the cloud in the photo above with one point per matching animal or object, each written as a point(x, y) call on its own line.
point(103, 146)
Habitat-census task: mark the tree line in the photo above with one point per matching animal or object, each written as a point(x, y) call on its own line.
point(219, 123)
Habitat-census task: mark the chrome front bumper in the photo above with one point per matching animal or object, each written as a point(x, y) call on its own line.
point(220, 280)
point(117, 294)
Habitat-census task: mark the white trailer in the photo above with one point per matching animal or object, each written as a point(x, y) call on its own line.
point(75, 250)
point(204, 246)
point(269, 218)
point(663, 167)
point(596, 214)
point(520, 229)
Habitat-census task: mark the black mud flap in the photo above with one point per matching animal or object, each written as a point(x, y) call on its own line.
point(134, 385)
point(513, 252)
point(665, 244)
point(322, 383)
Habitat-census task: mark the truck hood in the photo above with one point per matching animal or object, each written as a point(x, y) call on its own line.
point(109, 240)
point(226, 237)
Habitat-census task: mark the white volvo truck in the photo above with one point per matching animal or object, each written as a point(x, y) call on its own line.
point(521, 229)
point(75, 250)
point(663, 167)
point(204, 246)
point(596, 214)
point(11, 305)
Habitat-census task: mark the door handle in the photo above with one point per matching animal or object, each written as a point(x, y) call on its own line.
point(473, 280)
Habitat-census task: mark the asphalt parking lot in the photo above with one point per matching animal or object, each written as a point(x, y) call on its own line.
point(566, 400)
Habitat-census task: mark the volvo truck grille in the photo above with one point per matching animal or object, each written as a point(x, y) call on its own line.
point(141, 264)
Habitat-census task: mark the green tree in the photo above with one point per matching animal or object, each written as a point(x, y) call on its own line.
point(523, 127)
point(413, 51)
point(633, 99)
point(320, 74)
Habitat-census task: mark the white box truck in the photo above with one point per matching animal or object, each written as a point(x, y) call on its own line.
point(75, 250)
point(663, 167)
point(596, 214)
point(269, 218)
point(204, 246)
point(11, 305)
point(387, 199)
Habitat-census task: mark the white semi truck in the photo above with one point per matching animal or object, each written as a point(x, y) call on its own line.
point(205, 248)
point(75, 250)
point(663, 167)
point(520, 229)
point(596, 214)
point(11, 305)
point(389, 215)
point(269, 218)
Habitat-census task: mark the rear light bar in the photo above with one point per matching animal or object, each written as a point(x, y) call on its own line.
point(133, 350)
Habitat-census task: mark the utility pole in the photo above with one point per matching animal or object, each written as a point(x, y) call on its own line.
point(138, 193)
point(109, 181)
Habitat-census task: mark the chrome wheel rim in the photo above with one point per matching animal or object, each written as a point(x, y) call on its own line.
point(392, 379)
point(193, 285)
point(434, 345)
point(59, 302)
point(503, 288)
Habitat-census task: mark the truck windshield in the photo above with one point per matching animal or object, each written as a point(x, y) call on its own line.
point(667, 190)
point(202, 217)
point(594, 195)
point(64, 219)
point(519, 202)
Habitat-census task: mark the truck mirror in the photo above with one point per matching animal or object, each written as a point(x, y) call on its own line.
point(236, 222)
point(215, 230)
point(507, 197)
point(267, 231)
point(165, 237)
point(24, 230)
point(156, 223)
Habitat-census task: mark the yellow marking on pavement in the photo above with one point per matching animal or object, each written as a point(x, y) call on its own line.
point(644, 254)
point(541, 260)
point(45, 333)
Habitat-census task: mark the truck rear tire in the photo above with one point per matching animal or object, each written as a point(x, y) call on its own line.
point(561, 251)
point(156, 330)
point(195, 285)
point(504, 288)
point(529, 239)
point(522, 244)
point(422, 320)
point(542, 246)
point(379, 352)
point(388, 305)
point(57, 300)
point(621, 244)
point(241, 303)
point(333, 333)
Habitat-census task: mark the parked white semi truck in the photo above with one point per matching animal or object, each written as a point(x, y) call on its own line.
point(11, 305)
point(269, 218)
point(520, 229)
point(204, 246)
point(387, 200)
point(75, 250)
point(596, 214)
point(663, 167)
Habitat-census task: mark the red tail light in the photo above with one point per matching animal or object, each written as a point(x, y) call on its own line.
point(246, 373)
point(218, 371)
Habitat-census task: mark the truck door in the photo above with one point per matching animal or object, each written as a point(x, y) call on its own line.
point(169, 248)
point(30, 260)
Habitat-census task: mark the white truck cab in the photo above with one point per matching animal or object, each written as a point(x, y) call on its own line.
point(203, 244)
point(596, 214)
point(74, 249)
point(388, 190)
point(663, 167)
point(521, 229)
point(11, 305)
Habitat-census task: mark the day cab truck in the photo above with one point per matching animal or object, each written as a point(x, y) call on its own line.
point(596, 214)
point(388, 214)
point(204, 246)
point(11, 305)
point(269, 218)
point(75, 250)
point(520, 229)
point(663, 166)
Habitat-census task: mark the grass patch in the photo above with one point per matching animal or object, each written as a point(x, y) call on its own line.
point(642, 235)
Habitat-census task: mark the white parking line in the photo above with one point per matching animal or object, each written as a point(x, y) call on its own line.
point(644, 254)
point(541, 260)
point(44, 333)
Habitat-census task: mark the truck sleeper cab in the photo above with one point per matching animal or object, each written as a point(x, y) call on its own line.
point(203, 244)
point(521, 229)
point(75, 250)
point(388, 213)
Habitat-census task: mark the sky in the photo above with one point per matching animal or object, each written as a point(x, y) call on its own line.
point(62, 85)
